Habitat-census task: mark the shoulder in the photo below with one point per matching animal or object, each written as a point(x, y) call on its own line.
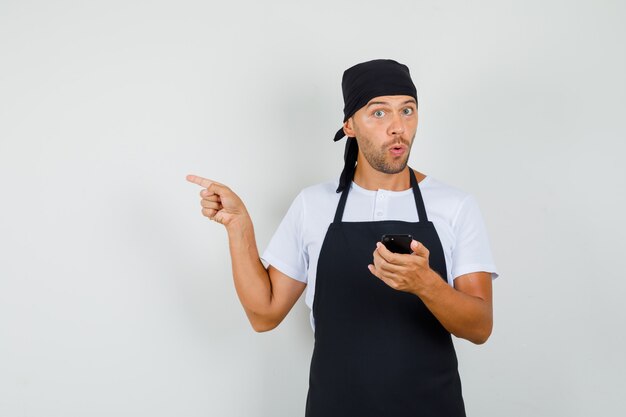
point(320, 193)
point(316, 205)
point(447, 203)
point(442, 192)
point(327, 188)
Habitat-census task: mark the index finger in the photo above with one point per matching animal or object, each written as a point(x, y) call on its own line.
point(203, 182)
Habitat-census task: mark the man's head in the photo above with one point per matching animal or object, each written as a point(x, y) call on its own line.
point(380, 112)
point(384, 130)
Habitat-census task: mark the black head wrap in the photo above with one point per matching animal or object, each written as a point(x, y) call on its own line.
point(360, 84)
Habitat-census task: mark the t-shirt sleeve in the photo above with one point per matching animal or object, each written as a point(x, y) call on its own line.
point(471, 251)
point(285, 251)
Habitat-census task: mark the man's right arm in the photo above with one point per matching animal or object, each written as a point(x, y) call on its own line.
point(267, 295)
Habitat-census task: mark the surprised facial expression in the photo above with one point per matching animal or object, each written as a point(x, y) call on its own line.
point(385, 128)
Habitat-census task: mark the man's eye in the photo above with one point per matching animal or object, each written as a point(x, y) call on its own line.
point(408, 111)
point(379, 113)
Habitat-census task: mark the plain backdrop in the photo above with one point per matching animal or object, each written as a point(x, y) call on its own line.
point(116, 294)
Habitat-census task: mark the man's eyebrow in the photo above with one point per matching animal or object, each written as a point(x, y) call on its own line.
point(373, 103)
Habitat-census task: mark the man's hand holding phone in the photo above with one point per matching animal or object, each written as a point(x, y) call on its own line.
point(408, 271)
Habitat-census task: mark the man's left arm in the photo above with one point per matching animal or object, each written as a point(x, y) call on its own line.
point(465, 311)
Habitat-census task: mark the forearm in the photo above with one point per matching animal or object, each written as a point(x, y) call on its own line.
point(251, 279)
point(463, 315)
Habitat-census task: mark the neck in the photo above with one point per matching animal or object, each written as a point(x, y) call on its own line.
point(367, 177)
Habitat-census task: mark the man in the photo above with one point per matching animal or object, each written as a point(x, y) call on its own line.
point(382, 320)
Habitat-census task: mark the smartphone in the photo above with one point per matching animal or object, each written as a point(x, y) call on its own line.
point(398, 243)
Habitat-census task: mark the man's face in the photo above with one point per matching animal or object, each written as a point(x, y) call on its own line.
point(385, 128)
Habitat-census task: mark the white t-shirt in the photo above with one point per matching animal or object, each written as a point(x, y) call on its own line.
point(295, 247)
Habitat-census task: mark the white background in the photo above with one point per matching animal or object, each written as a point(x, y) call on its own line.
point(116, 296)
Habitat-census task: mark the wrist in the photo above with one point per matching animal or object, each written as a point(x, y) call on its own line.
point(432, 286)
point(239, 227)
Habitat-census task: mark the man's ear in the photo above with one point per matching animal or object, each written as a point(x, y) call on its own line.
point(348, 128)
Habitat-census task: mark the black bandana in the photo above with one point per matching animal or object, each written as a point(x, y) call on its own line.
point(360, 84)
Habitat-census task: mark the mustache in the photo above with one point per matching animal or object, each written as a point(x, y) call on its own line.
point(399, 141)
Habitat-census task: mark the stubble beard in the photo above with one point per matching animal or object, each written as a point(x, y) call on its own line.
point(381, 160)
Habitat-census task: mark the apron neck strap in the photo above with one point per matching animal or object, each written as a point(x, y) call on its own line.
point(419, 201)
point(417, 194)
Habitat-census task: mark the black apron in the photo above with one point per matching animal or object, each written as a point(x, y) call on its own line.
point(378, 352)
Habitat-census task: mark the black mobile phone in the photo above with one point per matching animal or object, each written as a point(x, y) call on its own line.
point(398, 243)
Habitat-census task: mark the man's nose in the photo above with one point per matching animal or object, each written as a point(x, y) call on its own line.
point(396, 127)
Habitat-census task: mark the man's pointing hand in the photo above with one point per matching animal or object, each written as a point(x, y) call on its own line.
point(219, 203)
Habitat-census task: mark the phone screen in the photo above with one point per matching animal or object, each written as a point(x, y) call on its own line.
point(398, 243)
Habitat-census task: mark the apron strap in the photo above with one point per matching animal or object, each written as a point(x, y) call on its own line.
point(342, 202)
point(419, 201)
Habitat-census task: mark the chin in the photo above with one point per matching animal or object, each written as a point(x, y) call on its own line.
point(391, 169)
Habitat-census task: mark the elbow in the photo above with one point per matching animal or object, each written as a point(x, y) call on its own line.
point(262, 325)
point(479, 340)
point(482, 335)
